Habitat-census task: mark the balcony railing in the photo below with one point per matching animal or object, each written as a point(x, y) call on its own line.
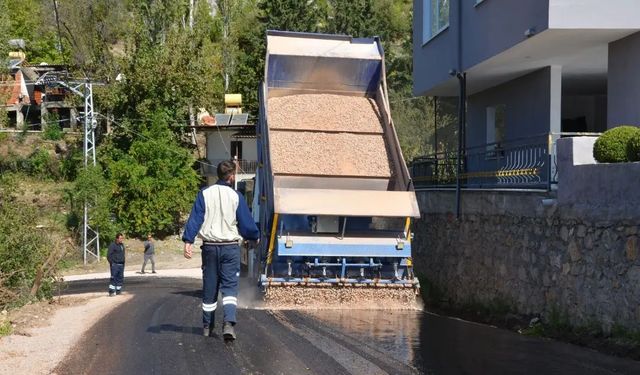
point(244, 166)
point(526, 163)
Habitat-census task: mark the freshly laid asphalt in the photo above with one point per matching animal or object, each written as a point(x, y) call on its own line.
point(158, 331)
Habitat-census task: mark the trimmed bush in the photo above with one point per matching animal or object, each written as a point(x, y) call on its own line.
point(611, 146)
point(633, 148)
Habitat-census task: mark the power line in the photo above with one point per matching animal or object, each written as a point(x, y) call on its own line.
point(406, 99)
point(131, 131)
point(31, 125)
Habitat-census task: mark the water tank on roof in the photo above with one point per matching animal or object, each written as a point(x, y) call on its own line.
point(17, 55)
point(232, 99)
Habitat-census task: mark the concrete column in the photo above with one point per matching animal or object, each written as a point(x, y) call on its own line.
point(623, 82)
point(73, 119)
point(19, 118)
point(555, 99)
point(43, 114)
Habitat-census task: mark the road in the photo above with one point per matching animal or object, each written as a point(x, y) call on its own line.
point(158, 332)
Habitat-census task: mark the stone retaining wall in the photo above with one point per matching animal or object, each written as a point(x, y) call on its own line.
point(525, 249)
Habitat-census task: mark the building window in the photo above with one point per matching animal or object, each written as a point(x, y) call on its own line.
point(435, 16)
point(236, 150)
point(496, 127)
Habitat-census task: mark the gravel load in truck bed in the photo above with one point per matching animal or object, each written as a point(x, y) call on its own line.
point(333, 154)
point(324, 112)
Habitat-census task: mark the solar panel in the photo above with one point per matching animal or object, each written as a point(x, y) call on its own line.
point(222, 119)
point(239, 119)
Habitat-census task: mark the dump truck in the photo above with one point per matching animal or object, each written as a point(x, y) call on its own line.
point(335, 198)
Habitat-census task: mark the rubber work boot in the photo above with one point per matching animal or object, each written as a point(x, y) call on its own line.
point(206, 331)
point(228, 332)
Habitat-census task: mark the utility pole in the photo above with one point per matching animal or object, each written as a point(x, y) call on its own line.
point(90, 236)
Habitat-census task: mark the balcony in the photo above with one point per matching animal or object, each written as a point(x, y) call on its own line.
point(244, 166)
point(526, 163)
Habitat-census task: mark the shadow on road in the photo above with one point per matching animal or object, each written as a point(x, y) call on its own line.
point(190, 293)
point(163, 328)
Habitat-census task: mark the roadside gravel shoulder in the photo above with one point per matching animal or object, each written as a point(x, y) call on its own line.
point(44, 332)
point(38, 348)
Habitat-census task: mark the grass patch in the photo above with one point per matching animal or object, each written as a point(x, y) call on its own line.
point(431, 293)
point(620, 341)
point(5, 328)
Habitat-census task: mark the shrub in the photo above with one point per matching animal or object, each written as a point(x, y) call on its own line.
point(633, 147)
point(91, 186)
point(72, 162)
point(611, 147)
point(24, 249)
point(52, 132)
point(42, 165)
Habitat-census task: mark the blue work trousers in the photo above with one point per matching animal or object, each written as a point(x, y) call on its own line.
point(117, 277)
point(220, 273)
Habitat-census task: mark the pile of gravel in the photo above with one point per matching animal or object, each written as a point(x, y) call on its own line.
point(340, 297)
point(324, 112)
point(346, 140)
point(341, 154)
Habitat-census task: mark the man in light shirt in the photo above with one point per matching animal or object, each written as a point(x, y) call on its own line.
point(221, 217)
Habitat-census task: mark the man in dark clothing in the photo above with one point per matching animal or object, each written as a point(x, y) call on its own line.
point(115, 256)
point(149, 250)
point(221, 217)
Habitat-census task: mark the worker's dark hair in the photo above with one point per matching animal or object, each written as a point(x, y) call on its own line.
point(226, 169)
point(118, 235)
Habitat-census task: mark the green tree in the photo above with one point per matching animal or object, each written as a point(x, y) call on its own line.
point(152, 182)
point(33, 21)
point(5, 26)
point(293, 15)
point(92, 187)
point(352, 17)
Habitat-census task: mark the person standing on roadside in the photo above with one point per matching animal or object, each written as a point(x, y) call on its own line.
point(221, 217)
point(116, 258)
point(149, 251)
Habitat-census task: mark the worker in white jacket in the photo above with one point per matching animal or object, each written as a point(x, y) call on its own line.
point(221, 217)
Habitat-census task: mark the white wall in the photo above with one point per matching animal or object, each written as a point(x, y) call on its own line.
point(594, 14)
point(219, 146)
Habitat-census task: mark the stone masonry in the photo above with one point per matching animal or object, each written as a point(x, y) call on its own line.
point(538, 256)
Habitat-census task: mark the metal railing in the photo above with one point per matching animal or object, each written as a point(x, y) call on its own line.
point(525, 163)
point(244, 166)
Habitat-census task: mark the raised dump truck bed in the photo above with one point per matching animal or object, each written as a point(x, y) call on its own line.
point(335, 195)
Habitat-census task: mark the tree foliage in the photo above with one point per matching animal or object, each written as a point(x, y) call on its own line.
point(175, 56)
point(152, 182)
point(24, 247)
point(33, 21)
